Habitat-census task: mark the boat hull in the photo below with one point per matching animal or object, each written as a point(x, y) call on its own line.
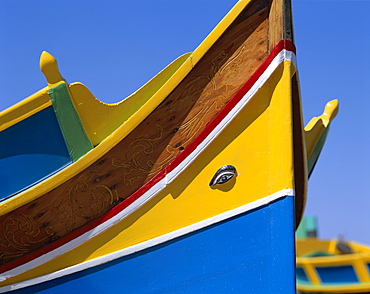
point(230, 255)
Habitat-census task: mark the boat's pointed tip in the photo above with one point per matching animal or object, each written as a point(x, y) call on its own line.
point(49, 67)
point(46, 58)
point(331, 110)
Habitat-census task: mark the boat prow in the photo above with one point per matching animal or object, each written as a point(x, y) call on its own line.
point(196, 181)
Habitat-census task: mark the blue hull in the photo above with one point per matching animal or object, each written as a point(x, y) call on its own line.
point(251, 253)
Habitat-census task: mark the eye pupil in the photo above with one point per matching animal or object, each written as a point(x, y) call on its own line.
point(224, 178)
point(223, 175)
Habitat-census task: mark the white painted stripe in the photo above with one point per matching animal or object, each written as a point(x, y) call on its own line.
point(155, 189)
point(283, 55)
point(150, 243)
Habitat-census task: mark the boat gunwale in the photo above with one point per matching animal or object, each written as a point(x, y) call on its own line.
point(333, 260)
point(24, 109)
point(332, 288)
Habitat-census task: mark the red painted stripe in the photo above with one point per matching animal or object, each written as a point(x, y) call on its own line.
point(284, 44)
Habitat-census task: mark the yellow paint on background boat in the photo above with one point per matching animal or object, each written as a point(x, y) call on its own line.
point(332, 266)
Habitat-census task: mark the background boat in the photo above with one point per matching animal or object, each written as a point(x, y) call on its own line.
point(330, 266)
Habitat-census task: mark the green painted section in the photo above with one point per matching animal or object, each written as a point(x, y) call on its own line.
point(69, 121)
point(307, 227)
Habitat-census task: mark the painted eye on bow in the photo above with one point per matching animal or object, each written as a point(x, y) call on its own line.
point(223, 175)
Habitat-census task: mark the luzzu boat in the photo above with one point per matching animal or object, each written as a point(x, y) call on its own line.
point(332, 266)
point(192, 184)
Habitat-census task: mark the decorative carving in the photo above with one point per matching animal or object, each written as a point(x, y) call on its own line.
point(86, 199)
point(136, 157)
point(19, 234)
point(138, 163)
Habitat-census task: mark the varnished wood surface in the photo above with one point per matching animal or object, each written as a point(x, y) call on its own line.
point(149, 148)
point(280, 20)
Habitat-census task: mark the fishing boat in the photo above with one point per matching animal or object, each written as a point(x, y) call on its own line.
point(332, 266)
point(194, 183)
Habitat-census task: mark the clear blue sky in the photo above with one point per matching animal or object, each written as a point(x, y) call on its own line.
point(114, 47)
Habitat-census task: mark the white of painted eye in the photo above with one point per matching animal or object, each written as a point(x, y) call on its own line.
point(223, 175)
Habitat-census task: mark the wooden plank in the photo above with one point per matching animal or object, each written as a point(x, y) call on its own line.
point(280, 21)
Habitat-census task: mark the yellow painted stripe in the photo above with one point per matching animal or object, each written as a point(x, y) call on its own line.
point(100, 119)
point(311, 274)
point(219, 30)
point(353, 288)
point(24, 109)
point(361, 269)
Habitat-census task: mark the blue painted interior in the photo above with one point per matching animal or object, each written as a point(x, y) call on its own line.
point(301, 276)
point(318, 254)
point(337, 274)
point(30, 151)
point(251, 253)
